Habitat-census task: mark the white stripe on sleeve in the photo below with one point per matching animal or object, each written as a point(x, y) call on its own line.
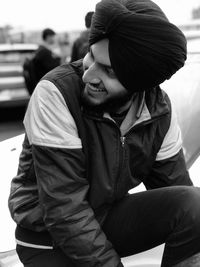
point(48, 121)
point(172, 142)
point(29, 245)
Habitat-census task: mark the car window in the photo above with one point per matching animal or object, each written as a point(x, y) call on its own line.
point(14, 56)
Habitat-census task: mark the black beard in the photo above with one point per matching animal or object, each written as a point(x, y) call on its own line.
point(110, 105)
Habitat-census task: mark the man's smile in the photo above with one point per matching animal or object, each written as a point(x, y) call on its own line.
point(93, 89)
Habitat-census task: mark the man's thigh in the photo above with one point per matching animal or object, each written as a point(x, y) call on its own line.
point(144, 220)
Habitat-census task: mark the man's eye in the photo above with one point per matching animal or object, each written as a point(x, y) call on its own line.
point(110, 71)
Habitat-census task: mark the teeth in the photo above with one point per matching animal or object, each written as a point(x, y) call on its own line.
point(96, 89)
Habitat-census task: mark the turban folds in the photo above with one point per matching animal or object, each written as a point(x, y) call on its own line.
point(145, 49)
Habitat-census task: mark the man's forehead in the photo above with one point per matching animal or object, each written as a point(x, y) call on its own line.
point(100, 53)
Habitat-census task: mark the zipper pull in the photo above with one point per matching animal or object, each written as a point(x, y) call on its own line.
point(123, 138)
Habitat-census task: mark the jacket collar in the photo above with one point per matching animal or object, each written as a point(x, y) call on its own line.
point(146, 106)
point(138, 113)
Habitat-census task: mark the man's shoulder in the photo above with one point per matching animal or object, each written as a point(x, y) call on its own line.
point(158, 102)
point(68, 79)
point(83, 37)
point(42, 53)
point(65, 71)
point(42, 49)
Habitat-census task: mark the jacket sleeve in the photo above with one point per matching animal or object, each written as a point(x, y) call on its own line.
point(169, 167)
point(60, 170)
point(168, 172)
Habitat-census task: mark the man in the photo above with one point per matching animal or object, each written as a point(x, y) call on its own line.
point(45, 59)
point(95, 132)
point(80, 46)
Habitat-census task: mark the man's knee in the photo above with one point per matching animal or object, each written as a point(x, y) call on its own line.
point(191, 204)
point(184, 240)
point(185, 214)
point(185, 203)
point(186, 226)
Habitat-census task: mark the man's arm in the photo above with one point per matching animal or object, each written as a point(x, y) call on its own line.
point(60, 170)
point(169, 167)
point(168, 172)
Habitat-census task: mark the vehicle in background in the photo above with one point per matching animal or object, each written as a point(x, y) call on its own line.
point(184, 91)
point(191, 29)
point(193, 46)
point(13, 91)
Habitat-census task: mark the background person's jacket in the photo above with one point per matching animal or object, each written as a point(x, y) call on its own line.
point(80, 46)
point(76, 163)
point(44, 60)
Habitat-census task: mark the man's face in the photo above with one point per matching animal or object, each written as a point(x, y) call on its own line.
point(102, 88)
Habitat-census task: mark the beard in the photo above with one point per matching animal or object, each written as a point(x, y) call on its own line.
point(111, 104)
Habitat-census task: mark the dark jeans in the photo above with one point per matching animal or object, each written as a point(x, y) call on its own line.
point(139, 222)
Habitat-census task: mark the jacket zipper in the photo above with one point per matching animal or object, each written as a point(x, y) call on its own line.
point(121, 164)
point(121, 155)
point(122, 146)
point(121, 149)
point(123, 139)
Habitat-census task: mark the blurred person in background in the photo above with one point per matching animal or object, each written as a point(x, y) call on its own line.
point(45, 59)
point(97, 128)
point(64, 47)
point(80, 46)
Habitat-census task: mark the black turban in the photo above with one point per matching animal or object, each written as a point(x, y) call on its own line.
point(145, 49)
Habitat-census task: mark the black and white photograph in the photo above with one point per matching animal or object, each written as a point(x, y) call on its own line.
point(100, 133)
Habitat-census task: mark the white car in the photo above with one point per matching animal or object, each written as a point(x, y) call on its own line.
point(13, 91)
point(184, 90)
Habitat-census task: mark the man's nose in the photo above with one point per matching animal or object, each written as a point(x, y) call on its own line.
point(91, 74)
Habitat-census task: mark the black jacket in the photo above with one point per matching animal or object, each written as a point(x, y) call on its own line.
point(44, 61)
point(75, 164)
point(80, 46)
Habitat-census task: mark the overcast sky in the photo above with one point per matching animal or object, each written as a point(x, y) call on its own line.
point(66, 15)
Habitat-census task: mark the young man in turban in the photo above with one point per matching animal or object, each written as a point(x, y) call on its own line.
point(94, 130)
